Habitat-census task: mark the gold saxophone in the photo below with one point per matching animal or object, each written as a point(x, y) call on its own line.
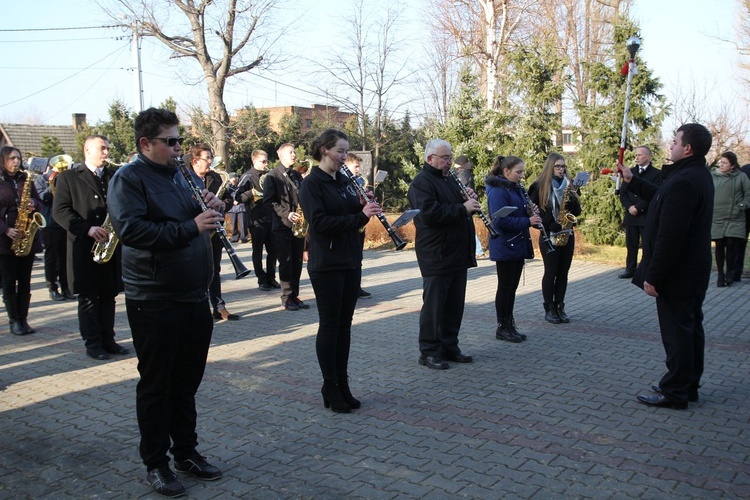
point(565, 219)
point(27, 222)
point(300, 226)
point(104, 251)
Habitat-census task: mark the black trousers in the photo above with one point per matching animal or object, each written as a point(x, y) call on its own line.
point(508, 277)
point(96, 319)
point(633, 239)
point(681, 324)
point(742, 248)
point(171, 341)
point(262, 236)
point(556, 268)
point(336, 295)
point(214, 290)
point(443, 299)
point(55, 255)
point(289, 252)
point(729, 250)
point(16, 277)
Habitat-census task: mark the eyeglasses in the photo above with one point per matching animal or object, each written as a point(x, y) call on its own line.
point(560, 166)
point(207, 160)
point(14, 157)
point(445, 157)
point(171, 141)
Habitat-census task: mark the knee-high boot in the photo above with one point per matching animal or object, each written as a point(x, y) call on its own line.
point(11, 307)
point(23, 312)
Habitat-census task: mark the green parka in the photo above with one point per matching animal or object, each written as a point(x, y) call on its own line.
point(731, 200)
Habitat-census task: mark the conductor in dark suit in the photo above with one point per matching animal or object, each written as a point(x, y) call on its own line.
point(636, 208)
point(80, 207)
point(676, 263)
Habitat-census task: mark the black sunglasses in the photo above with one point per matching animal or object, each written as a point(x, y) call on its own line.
point(171, 141)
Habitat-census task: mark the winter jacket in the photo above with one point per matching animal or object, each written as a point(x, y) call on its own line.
point(514, 242)
point(280, 190)
point(10, 193)
point(731, 199)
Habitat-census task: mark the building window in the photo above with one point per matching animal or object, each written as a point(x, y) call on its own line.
point(567, 138)
point(308, 123)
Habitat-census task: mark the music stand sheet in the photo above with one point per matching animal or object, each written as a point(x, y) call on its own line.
point(405, 218)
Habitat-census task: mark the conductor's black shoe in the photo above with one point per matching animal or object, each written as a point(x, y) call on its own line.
point(266, 287)
point(226, 315)
point(56, 296)
point(434, 362)
point(300, 304)
point(97, 353)
point(165, 482)
point(115, 348)
point(660, 401)
point(458, 357)
point(197, 466)
point(69, 295)
point(692, 394)
point(289, 305)
point(626, 275)
point(364, 294)
point(275, 284)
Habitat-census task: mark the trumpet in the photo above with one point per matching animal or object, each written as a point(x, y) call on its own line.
point(59, 164)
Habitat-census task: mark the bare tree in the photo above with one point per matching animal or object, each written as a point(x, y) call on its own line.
point(224, 44)
point(439, 82)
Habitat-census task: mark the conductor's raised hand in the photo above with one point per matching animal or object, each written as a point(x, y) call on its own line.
point(625, 172)
point(208, 220)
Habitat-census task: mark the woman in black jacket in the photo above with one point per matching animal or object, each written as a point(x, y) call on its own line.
point(335, 214)
point(16, 271)
point(548, 192)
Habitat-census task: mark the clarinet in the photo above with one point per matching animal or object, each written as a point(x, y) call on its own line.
point(361, 190)
point(490, 228)
point(240, 270)
point(548, 246)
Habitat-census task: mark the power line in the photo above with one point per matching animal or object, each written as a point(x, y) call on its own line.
point(65, 39)
point(71, 28)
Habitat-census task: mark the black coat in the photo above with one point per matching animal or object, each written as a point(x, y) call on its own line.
point(280, 190)
point(78, 205)
point(334, 213)
point(9, 210)
point(629, 198)
point(260, 213)
point(445, 230)
point(677, 237)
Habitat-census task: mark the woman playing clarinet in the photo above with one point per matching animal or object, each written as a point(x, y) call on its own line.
point(335, 214)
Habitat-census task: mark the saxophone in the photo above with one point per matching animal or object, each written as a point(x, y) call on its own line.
point(299, 227)
point(104, 251)
point(27, 222)
point(565, 219)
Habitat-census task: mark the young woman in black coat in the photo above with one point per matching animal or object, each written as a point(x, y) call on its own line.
point(335, 214)
point(548, 192)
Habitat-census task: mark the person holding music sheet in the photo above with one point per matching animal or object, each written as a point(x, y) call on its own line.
point(513, 245)
point(80, 207)
point(201, 158)
point(353, 162)
point(676, 264)
point(280, 192)
point(15, 270)
point(445, 250)
point(167, 267)
point(335, 213)
point(549, 191)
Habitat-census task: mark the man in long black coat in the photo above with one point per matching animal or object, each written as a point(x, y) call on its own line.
point(80, 207)
point(676, 263)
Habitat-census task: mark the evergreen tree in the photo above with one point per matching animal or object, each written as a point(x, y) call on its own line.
point(51, 147)
point(118, 130)
point(250, 130)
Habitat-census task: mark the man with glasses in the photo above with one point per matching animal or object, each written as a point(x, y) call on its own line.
point(250, 191)
point(201, 158)
point(445, 250)
point(167, 268)
point(80, 207)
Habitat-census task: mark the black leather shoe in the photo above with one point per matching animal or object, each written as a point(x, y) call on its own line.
point(692, 394)
point(626, 275)
point(69, 295)
point(97, 353)
point(16, 328)
point(197, 466)
point(26, 327)
point(165, 482)
point(275, 284)
point(266, 287)
point(364, 294)
point(508, 336)
point(458, 357)
point(115, 348)
point(434, 362)
point(660, 401)
point(289, 305)
point(226, 315)
point(300, 304)
point(56, 296)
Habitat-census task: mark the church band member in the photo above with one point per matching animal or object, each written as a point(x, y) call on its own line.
point(353, 163)
point(80, 207)
point(280, 192)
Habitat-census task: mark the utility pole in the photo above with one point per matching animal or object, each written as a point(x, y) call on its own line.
point(137, 64)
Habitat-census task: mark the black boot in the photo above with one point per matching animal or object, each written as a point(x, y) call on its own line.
point(512, 328)
point(347, 394)
point(333, 399)
point(503, 331)
point(550, 313)
point(23, 313)
point(720, 282)
point(11, 307)
point(561, 313)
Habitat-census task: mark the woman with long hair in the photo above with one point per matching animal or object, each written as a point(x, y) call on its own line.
point(731, 199)
point(335, 213)
point(548, 192)
point(15, 270)
point(513, 245)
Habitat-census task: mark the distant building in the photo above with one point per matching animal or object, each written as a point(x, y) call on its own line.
point(568, 141)
point(28, 138)
point(321, 112)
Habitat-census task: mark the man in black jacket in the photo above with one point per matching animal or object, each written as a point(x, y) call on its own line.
point(280, 192)
point(167, 267)
point(635, 208)
point(676, 263)
point(445, 250)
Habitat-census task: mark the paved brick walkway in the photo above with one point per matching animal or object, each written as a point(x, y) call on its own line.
point(553, 417)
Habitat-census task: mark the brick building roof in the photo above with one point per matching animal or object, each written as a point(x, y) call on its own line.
point(28, 138)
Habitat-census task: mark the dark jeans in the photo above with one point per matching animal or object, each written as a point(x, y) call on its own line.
point(508, 277)
point(16, 276)
point(443, 299)
point(171, 341)
point(728, 249)
point(96, 319)
point(681, 324)
point(336, 295)
point(55, 255)
point(633, 238)
point(261, 236)
point(214, 290)
point(556, 268)
point(289, 252)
